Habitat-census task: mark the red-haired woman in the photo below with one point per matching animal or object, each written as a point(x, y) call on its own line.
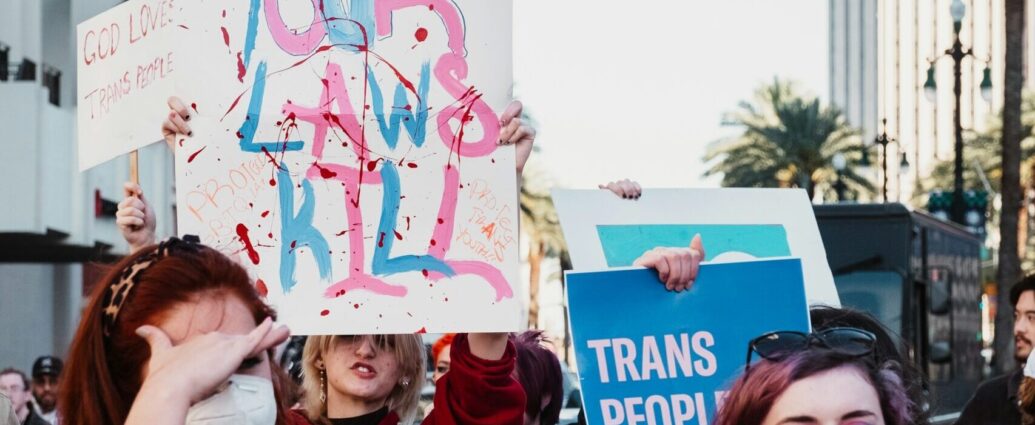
point(828, 377)
point(175, 334)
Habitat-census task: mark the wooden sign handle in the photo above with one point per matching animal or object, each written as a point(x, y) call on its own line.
point(134, 167)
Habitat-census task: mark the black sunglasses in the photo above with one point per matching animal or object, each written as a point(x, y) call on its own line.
point(775, 346)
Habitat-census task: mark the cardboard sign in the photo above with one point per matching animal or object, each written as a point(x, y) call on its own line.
point(603, 230)
point(346, 153)
point(671, 356)
point(126, 64)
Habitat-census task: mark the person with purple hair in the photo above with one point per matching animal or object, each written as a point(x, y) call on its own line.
point(827, 377)
point(538, 370)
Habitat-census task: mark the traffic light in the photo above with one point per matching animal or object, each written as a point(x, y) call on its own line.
point(939, 204)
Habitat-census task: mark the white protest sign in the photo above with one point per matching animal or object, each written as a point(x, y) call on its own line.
point(346, 153)
point(125, 68)
point(604, 231)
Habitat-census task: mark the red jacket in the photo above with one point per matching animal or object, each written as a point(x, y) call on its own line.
point(477, 391)
point(474, 392)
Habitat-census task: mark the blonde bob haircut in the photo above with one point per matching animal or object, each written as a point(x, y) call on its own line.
point(409, 352)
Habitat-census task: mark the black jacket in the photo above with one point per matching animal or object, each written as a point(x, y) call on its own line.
point(994, 402)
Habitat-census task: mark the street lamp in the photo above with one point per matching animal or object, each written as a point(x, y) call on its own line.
point(839, 163)
point(883, 140)
point(957, 53)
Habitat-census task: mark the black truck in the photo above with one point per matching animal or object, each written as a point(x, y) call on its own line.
point(921, 277)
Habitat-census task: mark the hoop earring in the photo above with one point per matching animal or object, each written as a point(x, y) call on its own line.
point(323, 386)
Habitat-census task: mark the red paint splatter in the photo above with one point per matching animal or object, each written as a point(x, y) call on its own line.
point(381, 241)
point(194, 106)
point(355, 306)
point(224, 13)
point(273, 182)
point(293, 243)
point(195, 155)
point(269, 235)
point(371, 165)
point(325, 312)
point(325, 173)
point(340, 233)
point(242, 232)
point(421, 34)
point(398, 235)
point(265, 213)
point(433, 243)
point(422, 330)
point(407, 223)
point(183, 26)
point(241, 70)
point(226, 36)
point(440, 221)
point(424, 272)
point(412, 165)
point(260, 286)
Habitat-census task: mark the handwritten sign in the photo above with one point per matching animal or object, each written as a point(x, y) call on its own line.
point(346, 152)
point(125, 69)
point(672, 356)
point(603, 230)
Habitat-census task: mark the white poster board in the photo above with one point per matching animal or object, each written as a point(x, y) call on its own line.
point(604, 231)
point(126, 65)
point(346, 153)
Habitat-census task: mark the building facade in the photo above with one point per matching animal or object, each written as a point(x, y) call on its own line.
point(56, 222)
point(880, 52)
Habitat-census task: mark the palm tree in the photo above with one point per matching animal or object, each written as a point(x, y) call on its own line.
point(1009, 270)
point(539, 221)
point(788, 141)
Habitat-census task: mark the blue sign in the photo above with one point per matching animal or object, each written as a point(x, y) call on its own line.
point(646, 355)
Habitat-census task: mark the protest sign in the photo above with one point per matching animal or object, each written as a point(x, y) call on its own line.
point(126, 63)
point(346, 153)
point(647, 355)
point(603, 230)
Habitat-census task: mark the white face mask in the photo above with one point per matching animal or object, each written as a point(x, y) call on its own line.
point(246, 400)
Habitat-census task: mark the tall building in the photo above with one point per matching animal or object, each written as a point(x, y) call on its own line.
point(55, 221)
point(880, 52)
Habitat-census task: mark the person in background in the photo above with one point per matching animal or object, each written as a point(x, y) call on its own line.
point(539, 372)
point(6, 411)
point(440, 355)
point(46, 373)
point(15, 385)
point(995, 400)
point(828, 377)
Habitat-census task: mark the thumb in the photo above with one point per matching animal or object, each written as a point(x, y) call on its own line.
point(155, 338)
point(697, 245)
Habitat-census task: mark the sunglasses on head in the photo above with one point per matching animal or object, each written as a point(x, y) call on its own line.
point(775, 346)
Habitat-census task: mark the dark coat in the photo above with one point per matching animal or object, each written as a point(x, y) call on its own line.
point(994, 402)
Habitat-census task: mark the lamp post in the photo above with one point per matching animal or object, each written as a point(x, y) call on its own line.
point(883, 141)
point(839, 163)
point(957, 53)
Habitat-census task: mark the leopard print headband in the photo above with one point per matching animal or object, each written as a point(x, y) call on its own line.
point(118, 291)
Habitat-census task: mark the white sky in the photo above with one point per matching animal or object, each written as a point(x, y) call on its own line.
point(637, 89)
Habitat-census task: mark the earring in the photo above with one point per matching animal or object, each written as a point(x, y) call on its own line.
point(405, 382)
point(323, 386)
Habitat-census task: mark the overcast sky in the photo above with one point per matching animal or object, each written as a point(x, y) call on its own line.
point(639, 91)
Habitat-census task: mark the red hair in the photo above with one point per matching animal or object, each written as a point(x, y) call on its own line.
point(103, 374)
point(440, 345)
point(754, 393)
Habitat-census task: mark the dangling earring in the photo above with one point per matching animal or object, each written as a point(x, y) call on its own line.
point(405, 382)
point(323, 386)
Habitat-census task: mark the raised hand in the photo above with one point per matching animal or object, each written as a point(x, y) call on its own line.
point(135, 218)
point(513, 131)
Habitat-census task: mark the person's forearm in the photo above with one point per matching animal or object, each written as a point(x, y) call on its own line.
point(488, 346)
